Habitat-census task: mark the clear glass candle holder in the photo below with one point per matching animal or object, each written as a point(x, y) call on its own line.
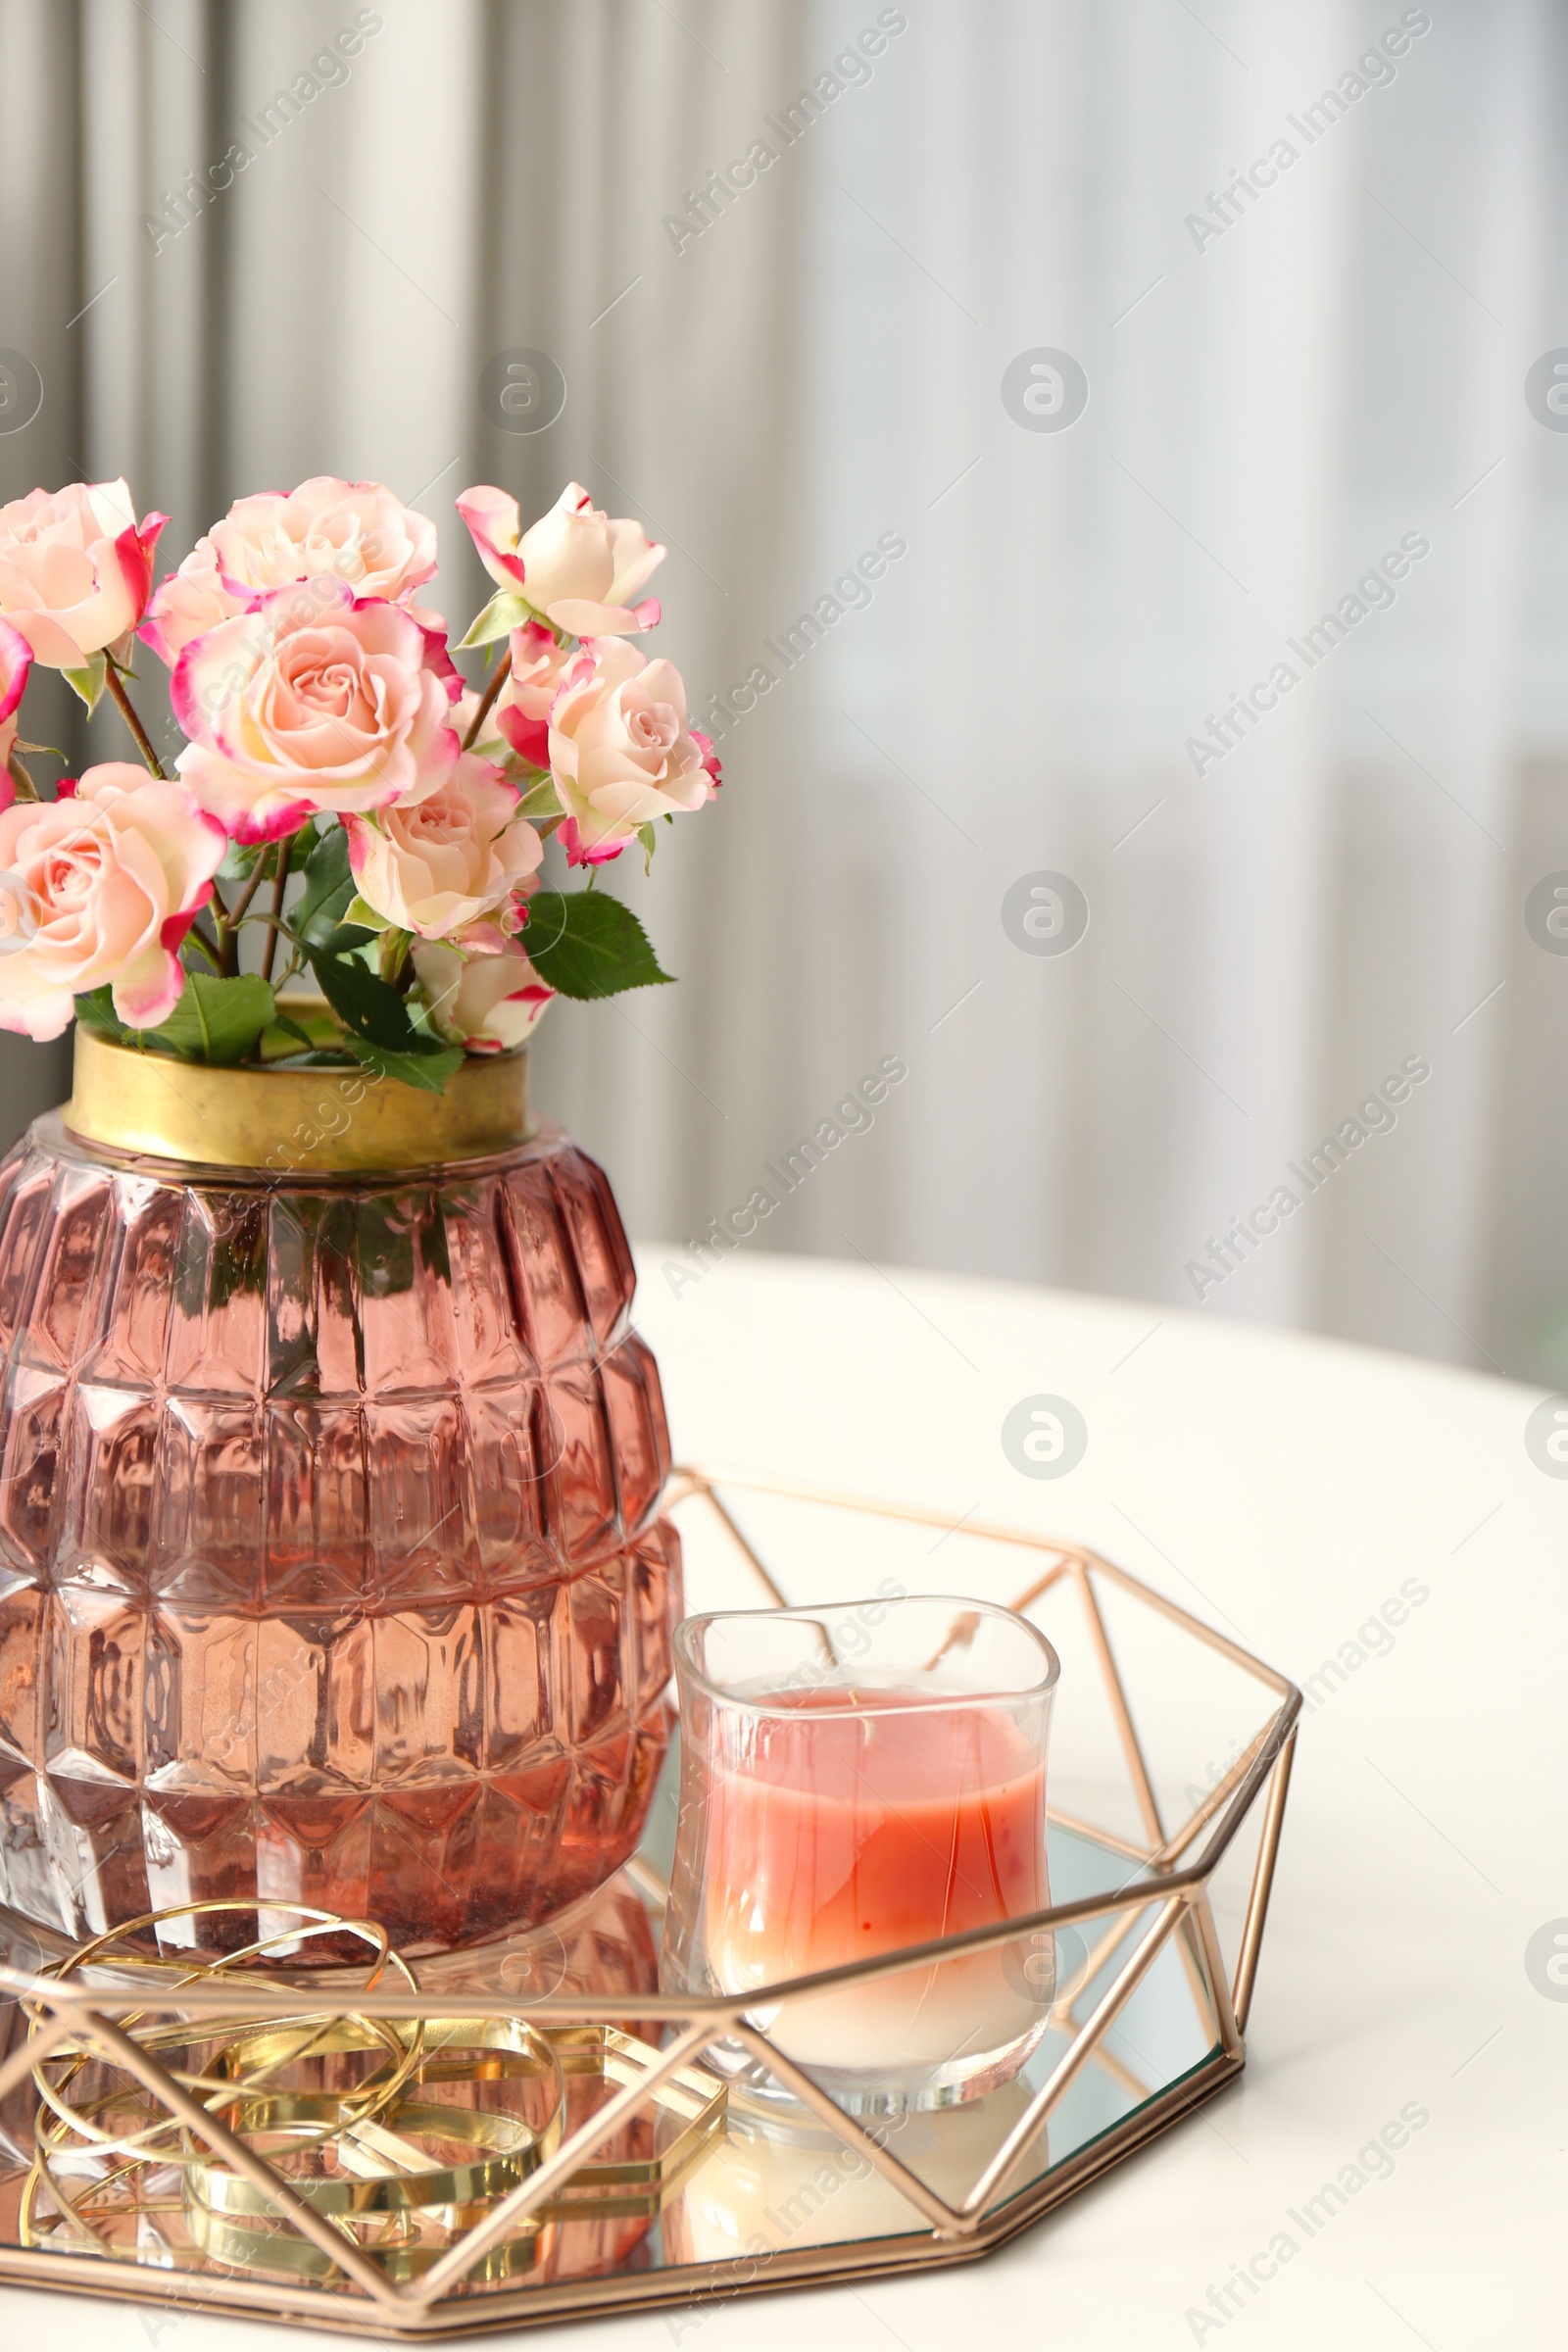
point(857, 1779)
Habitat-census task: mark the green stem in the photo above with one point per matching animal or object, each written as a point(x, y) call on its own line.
point(276, 918)
point(254, 884)
point(392, 954)
point(117, 687)
point(234, 915)
point(195, 937)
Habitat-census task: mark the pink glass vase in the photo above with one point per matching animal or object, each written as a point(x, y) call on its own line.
point(330, 1563)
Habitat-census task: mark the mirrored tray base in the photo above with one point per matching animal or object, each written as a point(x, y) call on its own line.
point(656, 2179)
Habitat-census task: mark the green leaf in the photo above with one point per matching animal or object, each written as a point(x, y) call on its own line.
point(281, 1035)
point(588, 945)
point(215, 1020)
point(360, 910)
point(343, 940)
point(364, 1004)
point(240, 860)
point(507, 611)
point(315, 1023)
point(428, 1071)
point(540, 800)
point(328, 885)
point(88, 681)
point(258, 862)
point(95, 1010)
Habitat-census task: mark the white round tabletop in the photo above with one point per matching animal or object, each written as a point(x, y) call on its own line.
point(1289, 1487)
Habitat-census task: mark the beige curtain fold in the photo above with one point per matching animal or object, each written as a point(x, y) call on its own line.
point(777, 380)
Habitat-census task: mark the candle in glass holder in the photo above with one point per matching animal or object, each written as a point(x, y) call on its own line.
point(851, 1789)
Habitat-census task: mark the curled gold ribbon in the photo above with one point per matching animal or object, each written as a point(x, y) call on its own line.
point(383, 2165)
point(391, 2158)
point(293, 2039)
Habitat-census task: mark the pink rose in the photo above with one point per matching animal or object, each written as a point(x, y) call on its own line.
point(519, 719)
point(317, 700)
point(538, 663)
point(191, 602)
point(75, 569)
point(101, 885)
point(620, 751)
point(16, 661)
point(354, 531)
point(437, 865)
point(485, 1001)
point(574, 564)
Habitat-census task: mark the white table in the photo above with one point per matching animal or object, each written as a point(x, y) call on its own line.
point(1300, 1483)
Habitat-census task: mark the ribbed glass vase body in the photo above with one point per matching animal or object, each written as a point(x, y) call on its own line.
point(331, 1564)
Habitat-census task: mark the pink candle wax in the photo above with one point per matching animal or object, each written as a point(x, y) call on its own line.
point(836, 1837)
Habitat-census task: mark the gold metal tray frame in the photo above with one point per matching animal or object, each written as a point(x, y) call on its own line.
point(1171, 1874)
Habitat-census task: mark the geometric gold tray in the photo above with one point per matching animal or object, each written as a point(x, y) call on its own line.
point(1170, 1764)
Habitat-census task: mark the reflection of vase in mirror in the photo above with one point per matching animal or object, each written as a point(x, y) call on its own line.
point(780, 2180)
point(603, 1945)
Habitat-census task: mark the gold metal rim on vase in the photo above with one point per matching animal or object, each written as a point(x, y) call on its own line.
point(279, 1122)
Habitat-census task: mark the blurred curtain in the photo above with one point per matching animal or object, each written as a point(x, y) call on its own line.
point(41, 200)
point(820, 368)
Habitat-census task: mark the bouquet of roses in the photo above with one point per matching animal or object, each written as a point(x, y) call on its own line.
point(333, 745)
